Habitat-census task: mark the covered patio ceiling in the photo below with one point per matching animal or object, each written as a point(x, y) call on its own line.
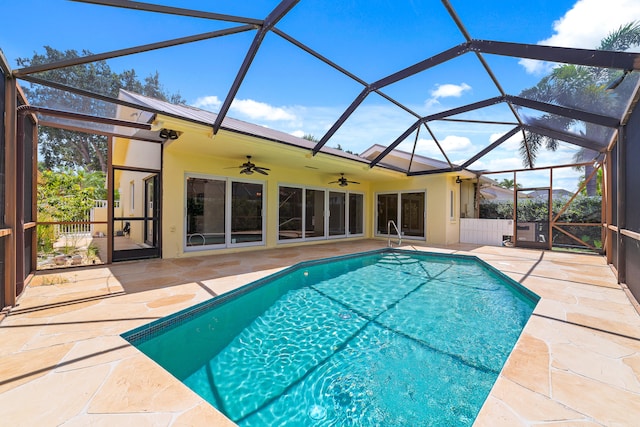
point(242, 47)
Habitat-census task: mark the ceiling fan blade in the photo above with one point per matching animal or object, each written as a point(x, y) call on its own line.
point(259, 170)
point(353, 182)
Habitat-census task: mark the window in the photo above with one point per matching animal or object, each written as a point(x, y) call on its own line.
point(222, 212)
point(452, 206)
point(306, 213)
point(406, 210)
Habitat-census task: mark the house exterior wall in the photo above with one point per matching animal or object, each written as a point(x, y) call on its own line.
point(200, 154)
point(179, 163)
point(441, 227)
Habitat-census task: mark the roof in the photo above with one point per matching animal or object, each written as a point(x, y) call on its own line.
point(208, 118)
point(402, 160)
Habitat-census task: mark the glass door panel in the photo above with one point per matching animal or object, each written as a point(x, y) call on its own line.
point(412, 214)
point(387, 211)
point(314, 213)
point(290, 213)
point(337, 212)
point(205, 212)
point(150, 236)
point(356, 214)
point(246, 212)
point(135, 215)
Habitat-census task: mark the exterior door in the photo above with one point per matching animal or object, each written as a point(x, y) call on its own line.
point(532, 218)
point(136, 214)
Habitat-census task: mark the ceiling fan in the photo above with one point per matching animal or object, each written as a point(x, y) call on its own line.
point(249, 168)
point(343, 182)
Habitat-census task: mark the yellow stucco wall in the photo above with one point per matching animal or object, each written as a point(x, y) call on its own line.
point(440, 229)
point(177, 164)
point(187, 155)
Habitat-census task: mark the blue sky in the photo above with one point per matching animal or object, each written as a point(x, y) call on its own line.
point(289, 90)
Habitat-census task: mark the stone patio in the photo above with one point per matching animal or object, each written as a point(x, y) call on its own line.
point(63, 361)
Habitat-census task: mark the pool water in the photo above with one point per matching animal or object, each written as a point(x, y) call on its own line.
point(390, 337)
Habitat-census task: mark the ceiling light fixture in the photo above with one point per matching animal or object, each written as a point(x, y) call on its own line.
point(169, 134)
point(458, 180)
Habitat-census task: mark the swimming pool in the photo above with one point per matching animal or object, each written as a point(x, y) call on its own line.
point(387, 337)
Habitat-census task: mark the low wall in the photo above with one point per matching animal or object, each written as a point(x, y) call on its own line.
point(485, 231)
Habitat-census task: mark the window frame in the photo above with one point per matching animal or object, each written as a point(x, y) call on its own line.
point(398, 219)
point(326, 214)
point(228, 199)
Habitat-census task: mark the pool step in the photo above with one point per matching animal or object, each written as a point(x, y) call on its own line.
point(398, 260)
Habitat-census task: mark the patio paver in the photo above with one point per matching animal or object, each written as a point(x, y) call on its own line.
point(63, 361)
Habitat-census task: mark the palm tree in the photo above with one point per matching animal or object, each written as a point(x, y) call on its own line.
point(508, 184)
point(579, 87)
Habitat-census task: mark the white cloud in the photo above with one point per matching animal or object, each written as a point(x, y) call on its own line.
point(449, 90)
point(455, 143)
point(260, 111)
point(452, 145)
point(298, 133)
point(536, 67)
point(585, 25)
point(253, 110)
point(209, 103)
point(512, 143)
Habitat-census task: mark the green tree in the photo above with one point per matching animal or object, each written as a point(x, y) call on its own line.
point(65, 196)
point(62, 148)
point(580, 87)
point(507, 183)
point(68, 195)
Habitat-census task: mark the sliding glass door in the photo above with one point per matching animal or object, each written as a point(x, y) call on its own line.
point(223, 212)
point(309, 213)
point(405, 209)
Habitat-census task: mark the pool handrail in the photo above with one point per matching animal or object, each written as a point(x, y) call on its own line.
point(389, 224)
